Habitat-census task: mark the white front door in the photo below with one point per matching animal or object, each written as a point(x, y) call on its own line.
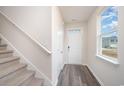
point(74, 46)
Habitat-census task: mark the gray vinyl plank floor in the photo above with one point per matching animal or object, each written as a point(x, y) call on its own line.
point(76, 75)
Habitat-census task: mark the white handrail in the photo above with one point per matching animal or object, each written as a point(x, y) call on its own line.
point(37, 42)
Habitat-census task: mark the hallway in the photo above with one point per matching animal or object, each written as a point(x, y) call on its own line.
point(62, 45)
point(76, 75)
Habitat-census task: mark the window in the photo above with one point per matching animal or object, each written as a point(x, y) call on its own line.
point(108, 33)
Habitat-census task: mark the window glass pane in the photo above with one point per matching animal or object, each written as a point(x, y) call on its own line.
point(109, 45)
point(109, 30)
point(109, 20)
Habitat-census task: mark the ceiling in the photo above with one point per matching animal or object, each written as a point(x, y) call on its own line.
point(74, 14)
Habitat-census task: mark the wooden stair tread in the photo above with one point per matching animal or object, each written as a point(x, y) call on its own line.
point(6, 51)
point(14, 73)
point(36, 82)
point(8, 59)
point(11, 69)
point(20, 78)
point(3, 45)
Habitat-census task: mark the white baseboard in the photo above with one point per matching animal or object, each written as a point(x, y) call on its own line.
point(98, 79)
point(31, 66)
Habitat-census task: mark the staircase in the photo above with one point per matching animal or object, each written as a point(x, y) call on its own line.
point(14, 73)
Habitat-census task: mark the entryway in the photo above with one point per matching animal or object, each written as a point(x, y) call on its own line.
point(74, 36)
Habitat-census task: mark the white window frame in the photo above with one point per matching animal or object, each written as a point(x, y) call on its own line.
point(99, 41)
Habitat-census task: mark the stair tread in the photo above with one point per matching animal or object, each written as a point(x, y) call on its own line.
point(3, 45)
point(36, 82)
point(6, 51)
point(8, 59)
point(14, 73)
point(11, 69)
point(20, 78)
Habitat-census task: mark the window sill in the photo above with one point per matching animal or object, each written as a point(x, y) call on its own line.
point(115, 62)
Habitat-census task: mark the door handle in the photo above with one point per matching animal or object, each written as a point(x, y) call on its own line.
point(68, 48)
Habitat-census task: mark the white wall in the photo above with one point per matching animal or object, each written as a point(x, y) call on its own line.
point(83, 27)
point(33, 20)
point(36, 21)
point(57, 43)
point(44, 24)
point(107, 73)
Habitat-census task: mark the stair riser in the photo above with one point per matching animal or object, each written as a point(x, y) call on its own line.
point(13, 73)
point(36, 82)
point(3, 48)
point(27, 81)
point(0, 41)
point(5, 81)
point(11, 70)
point(8, 64)
point(8, 60)
point(4, 55)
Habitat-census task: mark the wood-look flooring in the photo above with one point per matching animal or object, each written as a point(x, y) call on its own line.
point(76, 75)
